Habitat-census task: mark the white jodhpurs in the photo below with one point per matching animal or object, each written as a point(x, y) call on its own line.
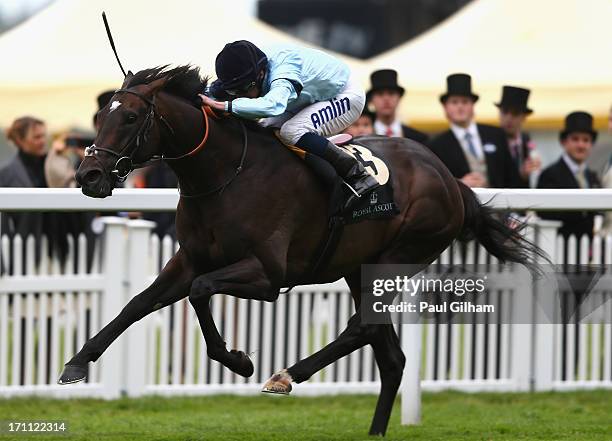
point(325, 118)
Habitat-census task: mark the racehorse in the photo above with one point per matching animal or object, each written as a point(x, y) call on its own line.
point(251, 216)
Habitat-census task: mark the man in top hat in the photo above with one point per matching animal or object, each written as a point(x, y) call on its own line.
point(385, 95)
point(570, 171)
point(513, 111)
point(103, 99)
point(475, 153)
point(606, 181)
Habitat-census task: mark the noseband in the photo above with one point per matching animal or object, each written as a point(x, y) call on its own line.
point(125, 163)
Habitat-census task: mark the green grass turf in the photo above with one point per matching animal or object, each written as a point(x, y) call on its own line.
point(446, 416)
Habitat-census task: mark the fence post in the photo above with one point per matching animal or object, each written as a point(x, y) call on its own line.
point(113, 267)
point(411, 380)
point(544, 333)
point(138, 257)
point(523, 327)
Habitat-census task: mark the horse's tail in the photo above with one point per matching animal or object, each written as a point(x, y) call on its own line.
point(491, 230)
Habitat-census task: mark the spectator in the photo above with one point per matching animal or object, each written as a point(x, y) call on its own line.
point(513, 111)
point(26, 169)
point(363, 126)
point(570, 171)
point(103, 99)
point(67, 152)
point(607, 183)
point(477, 154)
point(385, 95)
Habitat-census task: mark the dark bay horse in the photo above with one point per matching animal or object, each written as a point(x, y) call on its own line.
point(252, 216)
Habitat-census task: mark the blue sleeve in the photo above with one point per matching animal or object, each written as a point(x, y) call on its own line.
point(273, 103)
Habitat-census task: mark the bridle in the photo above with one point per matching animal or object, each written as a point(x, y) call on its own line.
point(125, 163)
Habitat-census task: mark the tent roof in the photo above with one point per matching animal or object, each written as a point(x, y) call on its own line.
point(58, 61)
point(559, 50)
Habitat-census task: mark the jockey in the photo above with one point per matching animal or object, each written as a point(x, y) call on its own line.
point(306, 93)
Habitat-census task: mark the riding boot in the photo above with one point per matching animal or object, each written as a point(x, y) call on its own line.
point(352, 171)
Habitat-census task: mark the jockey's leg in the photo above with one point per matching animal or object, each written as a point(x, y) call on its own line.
point(345, 165)
point(309, 127)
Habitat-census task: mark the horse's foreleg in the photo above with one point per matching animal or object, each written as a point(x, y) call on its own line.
point(171, 285)
point(245, 279)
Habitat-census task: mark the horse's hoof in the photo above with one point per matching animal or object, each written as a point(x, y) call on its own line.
point(240, 363)
point(279, 383)
point(73, 374)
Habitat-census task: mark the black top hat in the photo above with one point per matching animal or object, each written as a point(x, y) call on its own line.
point(104, 98)
point(514, 98)
point(459, 84)
point(385, 79)
point(578, 122)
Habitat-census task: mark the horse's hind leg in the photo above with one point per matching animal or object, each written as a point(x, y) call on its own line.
point(245, 279)
point(352, 338)
point(390, 360)
point(387, 352)
point(385, 342)
point(383, 339)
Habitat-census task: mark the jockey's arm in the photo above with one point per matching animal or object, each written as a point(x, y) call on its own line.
point(273, 103)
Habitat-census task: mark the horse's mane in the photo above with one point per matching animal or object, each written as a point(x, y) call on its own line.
point(185, 82)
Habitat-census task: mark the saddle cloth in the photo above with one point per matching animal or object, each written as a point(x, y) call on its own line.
point(379, 203)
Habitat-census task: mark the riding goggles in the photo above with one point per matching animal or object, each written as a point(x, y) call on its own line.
point(241, 91)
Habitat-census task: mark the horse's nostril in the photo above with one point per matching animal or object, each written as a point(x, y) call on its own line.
point(91, 177)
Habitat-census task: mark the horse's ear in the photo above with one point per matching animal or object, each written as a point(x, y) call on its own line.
point(157, 85)
point(127, 79)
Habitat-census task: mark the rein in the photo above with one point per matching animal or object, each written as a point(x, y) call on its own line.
point(221, 187)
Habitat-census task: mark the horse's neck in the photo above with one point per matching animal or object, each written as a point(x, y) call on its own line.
point(221, 155)
point(215, 163)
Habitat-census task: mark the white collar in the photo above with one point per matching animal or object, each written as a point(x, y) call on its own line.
point(573, 165)
point(381, 128)
point(460, 131)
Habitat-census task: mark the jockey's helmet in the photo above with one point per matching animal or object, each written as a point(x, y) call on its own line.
point(238, 66)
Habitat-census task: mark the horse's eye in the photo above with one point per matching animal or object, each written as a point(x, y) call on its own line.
point(131, 118)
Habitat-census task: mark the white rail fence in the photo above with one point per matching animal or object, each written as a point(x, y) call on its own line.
point(47, 311)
